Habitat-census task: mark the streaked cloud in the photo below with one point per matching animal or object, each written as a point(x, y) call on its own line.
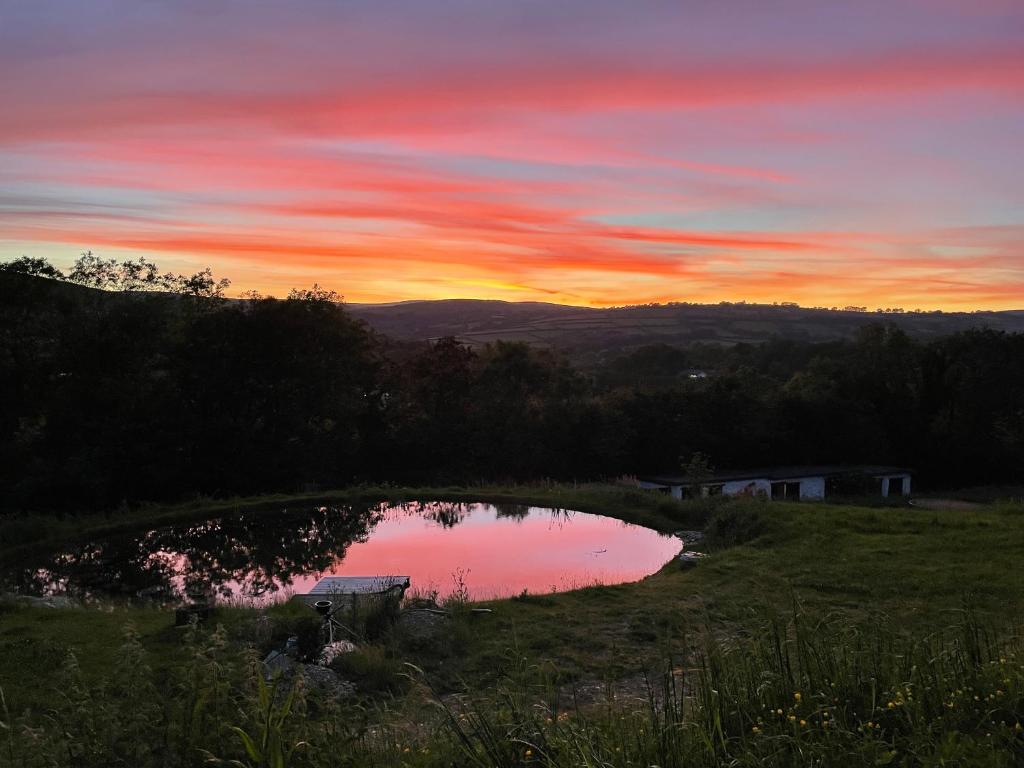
point(590, 152)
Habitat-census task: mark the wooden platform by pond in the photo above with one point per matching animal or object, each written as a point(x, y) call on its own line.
point(348, 591)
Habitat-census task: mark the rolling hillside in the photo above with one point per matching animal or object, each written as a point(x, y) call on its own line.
point(587, 333)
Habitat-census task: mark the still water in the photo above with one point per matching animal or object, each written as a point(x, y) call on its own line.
point(487, 550)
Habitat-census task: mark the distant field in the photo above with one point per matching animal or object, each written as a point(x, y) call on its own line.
point(590, 333)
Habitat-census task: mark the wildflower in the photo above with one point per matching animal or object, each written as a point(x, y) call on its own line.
point(797, 697)
point(803, 723)
point(792, 718)
point(528, 753)
point(892, 705)
point(778, 711)
point(755, 729)
point(1018, 727)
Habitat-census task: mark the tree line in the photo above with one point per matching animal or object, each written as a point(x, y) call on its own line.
point(158, 393)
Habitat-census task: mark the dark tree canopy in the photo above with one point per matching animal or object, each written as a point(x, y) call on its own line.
point(134, 393)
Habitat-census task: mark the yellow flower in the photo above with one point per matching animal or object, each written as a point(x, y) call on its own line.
point(796, 696)
point(803, 723)
point(529, 753)
point(792, 718)
point(778, 711)
point(755, 729)
point(1018, 727)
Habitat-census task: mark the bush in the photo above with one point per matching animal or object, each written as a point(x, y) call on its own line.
point(736, 522)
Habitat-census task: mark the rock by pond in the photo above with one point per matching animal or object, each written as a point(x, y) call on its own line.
point(279, 665)
point(690, 559)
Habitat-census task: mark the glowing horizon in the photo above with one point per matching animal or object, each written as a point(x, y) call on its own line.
point(593, 153)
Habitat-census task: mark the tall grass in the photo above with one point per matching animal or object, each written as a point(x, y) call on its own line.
point(796, 693)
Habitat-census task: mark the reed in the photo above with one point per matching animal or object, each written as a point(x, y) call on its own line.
point(796, 692)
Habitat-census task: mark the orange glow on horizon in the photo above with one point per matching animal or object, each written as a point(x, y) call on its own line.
point(613, 156)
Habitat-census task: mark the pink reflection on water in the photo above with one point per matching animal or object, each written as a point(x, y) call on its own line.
point(500, 556)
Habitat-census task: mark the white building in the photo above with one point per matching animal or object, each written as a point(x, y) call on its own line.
point(808, 482)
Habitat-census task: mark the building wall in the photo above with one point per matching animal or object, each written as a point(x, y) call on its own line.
point(887, 478)
point(812, 487)
point(753, 487)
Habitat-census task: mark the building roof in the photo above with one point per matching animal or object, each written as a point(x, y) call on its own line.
point(780, 473)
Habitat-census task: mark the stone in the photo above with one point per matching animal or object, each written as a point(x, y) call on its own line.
point(277, 664)
point(690, 537)
point(421, 624)
point(690, 559)
point(327, 681)
point(331, 651)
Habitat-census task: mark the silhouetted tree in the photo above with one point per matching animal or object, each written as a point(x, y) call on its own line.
point(34, 267)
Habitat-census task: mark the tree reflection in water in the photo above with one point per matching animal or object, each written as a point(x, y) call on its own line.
point(256, 557)
point(238, 556)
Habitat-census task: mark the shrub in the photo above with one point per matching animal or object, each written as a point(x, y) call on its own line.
point(733, 523)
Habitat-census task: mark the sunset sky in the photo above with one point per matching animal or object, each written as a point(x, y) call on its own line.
point(588, 152)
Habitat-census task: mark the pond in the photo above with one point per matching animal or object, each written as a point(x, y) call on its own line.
point(483, 550)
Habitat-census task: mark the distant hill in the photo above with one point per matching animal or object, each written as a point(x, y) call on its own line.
point(587, 334)
point(593, 333)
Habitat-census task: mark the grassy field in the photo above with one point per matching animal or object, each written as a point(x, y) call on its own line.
point(907, 575)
